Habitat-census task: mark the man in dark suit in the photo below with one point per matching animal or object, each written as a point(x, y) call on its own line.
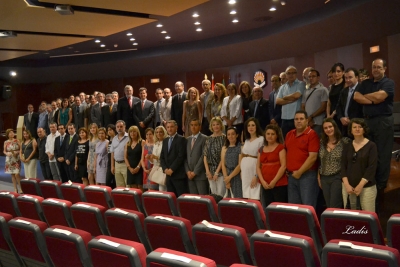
point(31, 120)
point(70, 152)
point(78, 112)
point(96, 110)
point(172, 160)
point(194, 166)
point(258, 108)
point(125, 106)
point(275, 111)
point(177, 105)
point(59, 152)
point(347, 107)
point(143, 112)
point(109, 112)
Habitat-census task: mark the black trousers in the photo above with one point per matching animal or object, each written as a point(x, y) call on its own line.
point(62, 169)
point(46, 172)
point(177, 186)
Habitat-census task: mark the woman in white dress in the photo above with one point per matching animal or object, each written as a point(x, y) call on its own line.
point(160, 134)
point(231, 110)
point(253, 135)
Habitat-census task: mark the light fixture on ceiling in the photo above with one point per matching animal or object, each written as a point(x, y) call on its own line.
point(374, 49)
point(129, 34)
point(272, 9)
point(167, 37)
point(327, 1)
point(233, 12)
point(235, 21)
point(116, 45)
point(283, 3)
point(163, 32)
point(97, 41)
point(159, 25)
point(103, 45)
point(198, 30)
point(195, 15)
point(135, 44)
point(132, 39)
point(197, 23)
point(231, 2)
point(64, 9)
point(13, 73)
point(7, 34)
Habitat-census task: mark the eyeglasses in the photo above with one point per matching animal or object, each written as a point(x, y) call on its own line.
point(354, 157)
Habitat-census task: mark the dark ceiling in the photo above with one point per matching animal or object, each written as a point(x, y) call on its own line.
point(296, 28)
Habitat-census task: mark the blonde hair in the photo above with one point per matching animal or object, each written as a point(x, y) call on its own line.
point(164, 131)
point(91, 136)
point(133, 129)
point(193, 89)
point(102, 129)
point(217, 119)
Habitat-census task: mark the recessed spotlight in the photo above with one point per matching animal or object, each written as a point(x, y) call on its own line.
point(129, 34)
point(235, 21)
point(197, 23)
point(116, 45)
point(198, 30)
point(13, 73)
point(164, 32)
point(76, 51)
point(103, 45)
point(70, 47)
point(283, 3)
point(46, 53)
point(272, 9)
point(167, 37)
point(233, 12)
point(159, 25)
point(231, 2)
point(195, 15)
point(107, 49)
point(132, 39)
point(97, 41)
point(135, 44)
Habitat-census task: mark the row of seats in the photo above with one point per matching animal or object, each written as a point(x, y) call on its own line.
point(28, 242)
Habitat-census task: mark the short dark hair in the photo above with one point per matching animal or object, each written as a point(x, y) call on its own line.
point(278, 132)
point(71, 124)
point(142, 89)
point(360, 122)
point(227, 143)
point(195, 119)
point(354, 70)
point(363, 72)
point(338, 64)
point(112, 127)
point(314, 70)
point(302, 112)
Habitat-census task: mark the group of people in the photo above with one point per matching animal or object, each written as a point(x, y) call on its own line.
point(229, 141)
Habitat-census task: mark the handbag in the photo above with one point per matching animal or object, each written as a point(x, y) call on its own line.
point(157, 175)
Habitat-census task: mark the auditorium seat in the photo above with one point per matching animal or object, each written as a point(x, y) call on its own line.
point(225, 244)
point(197, 208)
point(393, 231)
point(27, 236)
point(31, 186)
point(344, 253)
point(159, 202)
point(68, 246)
point(127, 198)
point(355, 225)
point(163, 257)
point(51, 188)
point(296, 219)
point(170, 232)
point(104, 250)
point(127, 224)
point(57, 211)
point(241, 265)
point(99, 194)
point(246, 213)
point(8, 203)
point(30, 206)
point(8, 255)
point(89, 217)
point(272, 248)
point(73, 192)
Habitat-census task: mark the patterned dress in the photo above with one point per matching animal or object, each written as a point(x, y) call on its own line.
point(92, 150)
point(148, 150)
point(215, 108)
point(192, 112)
point(102, 161)
point(13, 164)
point(231, 161)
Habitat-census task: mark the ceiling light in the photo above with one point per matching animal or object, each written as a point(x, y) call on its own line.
point(97, 41)
point(76, 51)
point(70, 47)
point(167, 37)
point(132, 39)
point(13, 73)
point(64, 9)
point(232, 2)
point(283, 3)
point(159, 25)
point(233, 12)
point(5, 34)
point(197, 23)
point(195, 15)
point(129, 34)
point(272, 9)
point(198, 30)
point(116, 45)
point(164, 32)
point(135, 44)
point(103, 45)
point(235, 21)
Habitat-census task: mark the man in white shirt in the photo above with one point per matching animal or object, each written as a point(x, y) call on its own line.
point(50, 151)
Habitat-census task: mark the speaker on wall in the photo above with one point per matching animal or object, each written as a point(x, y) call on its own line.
point(6, 91)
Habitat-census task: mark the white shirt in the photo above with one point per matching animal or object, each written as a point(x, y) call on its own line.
point(50, 144)
point(235, 109)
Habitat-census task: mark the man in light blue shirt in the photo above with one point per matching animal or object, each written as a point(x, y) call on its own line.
point(289, 97)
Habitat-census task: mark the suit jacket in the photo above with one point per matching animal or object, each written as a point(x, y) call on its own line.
point(59, 149)
point(177, 108)
point(51, 118)
point(262, 112)
point(174, 158)
point(78, 117)
point(157, 111)
point(32, 125)
point(96, 114)
point(355, 109)
point(70, 148)
point(124, 111)
point(274, 113)
point(146, 115)
point(207, 106)
point(108, 117)
point(194, 157)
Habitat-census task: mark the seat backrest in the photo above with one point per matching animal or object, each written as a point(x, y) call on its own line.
point(31, 186)
point(106, 249)
point(127, 198)
point(163, 257)
point(127, 224)
point(362, 226)
point(99, 194)
point(73, 192)
point(300, 248)
point(89, 217)
point(210, 239)
point(30, 206)
point(197, 208)
point(159, 202)
point(68, 246)
point(281, 216)
point(8, 203)
point(169, 232)
point(8, 254)
point(393, 231)
point(27, 236)
point(51, 188)
point(246, 213)
point(346, 253)
point(57, 212)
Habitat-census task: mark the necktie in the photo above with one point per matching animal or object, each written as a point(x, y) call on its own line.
point(70, 139)
point(61, 140)
point(30, 116)
point(110, 108)
point(142, 104)
point(130, 102)
point(255, 109)
point(158, 111)
point(348, 102)
point(179, 98)
point(170, 142)
point(193, 141)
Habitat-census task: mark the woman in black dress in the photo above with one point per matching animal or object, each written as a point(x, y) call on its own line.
point(110, 178)
point(338, 74)
point(133, 157)
point(82, 151)
point(247, 96)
